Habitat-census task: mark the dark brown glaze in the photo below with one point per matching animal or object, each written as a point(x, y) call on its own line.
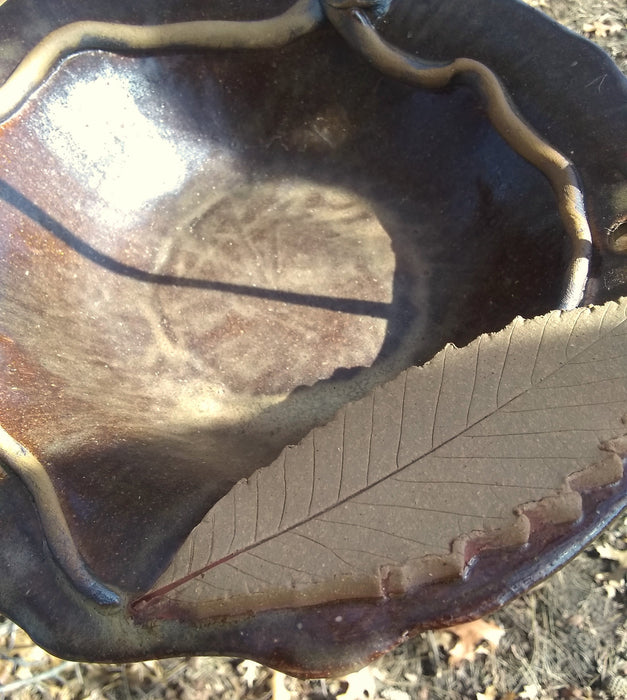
point(127, 315)
point(354, 24)
point(569, 90)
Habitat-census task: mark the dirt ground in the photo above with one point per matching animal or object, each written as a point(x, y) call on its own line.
point(567, 639)
point(603, 21)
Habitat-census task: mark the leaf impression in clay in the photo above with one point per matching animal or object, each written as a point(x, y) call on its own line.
point(407, 485)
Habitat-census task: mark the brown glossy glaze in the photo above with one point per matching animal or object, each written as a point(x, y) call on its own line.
point(206, 254)
point(567, 89)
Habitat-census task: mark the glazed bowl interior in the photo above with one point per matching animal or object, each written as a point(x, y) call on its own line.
point(207, 254)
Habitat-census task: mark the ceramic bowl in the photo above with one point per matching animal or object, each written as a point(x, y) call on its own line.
point(206, 253)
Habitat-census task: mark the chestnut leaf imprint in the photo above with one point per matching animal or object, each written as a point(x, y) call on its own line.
point(407, 484)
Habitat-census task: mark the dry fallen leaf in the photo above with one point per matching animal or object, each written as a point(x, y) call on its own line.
point(490, 693)
point(606, 551)
point(279, 689)
point(530, 692)
point(612, 581)
point(603, 26)
point(250, 672)
point(361, 685)
point(469, 636)
point(396, 694)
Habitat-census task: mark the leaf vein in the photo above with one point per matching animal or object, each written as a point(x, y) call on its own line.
point(474, 382)
point(596, 380)
point(234, 524)
point(540, 432)
point(376, 529)
point(247, 573)
point(329, 549)
point(256, 507)
point(212, 530)
point(281, 565)
point(491, 484)
point(313, 471)
point(428, 510)
point(542, 409)
point(597, 360)
point(535, 359)
point(504, 363)
point(283, 509)
point(437, 401)
point(572, 330)
point(372, 400)
point(401, 422)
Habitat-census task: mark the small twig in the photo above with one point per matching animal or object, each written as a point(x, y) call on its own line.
point(435, 652)
point(18, 661)
point(44, 675)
